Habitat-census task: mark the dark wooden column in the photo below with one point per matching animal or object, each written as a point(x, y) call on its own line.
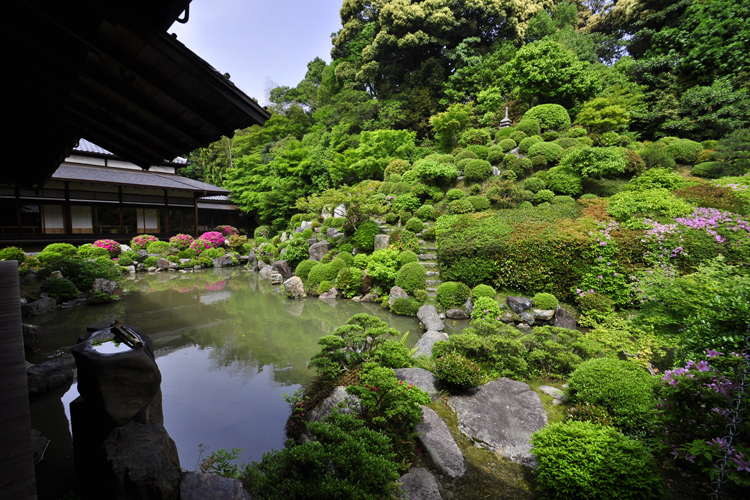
point(17, 480)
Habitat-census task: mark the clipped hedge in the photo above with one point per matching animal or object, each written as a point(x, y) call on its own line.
point(549, 150)
point(550, 116)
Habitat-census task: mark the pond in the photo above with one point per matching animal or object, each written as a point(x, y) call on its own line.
point(228, 345)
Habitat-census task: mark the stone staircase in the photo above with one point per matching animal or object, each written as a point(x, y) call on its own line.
point(428, 258)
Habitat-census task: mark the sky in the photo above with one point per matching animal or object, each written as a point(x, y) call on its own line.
point(258, 40)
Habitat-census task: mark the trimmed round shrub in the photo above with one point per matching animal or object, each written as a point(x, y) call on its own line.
point(364, 236)
point(529, 126)
point(561, 200)
point(504, 133)
point(465, 154)
point(405, 306)
point(524, 145)
point(495, 155)
point(320, 273)
point(454, 194)
point(480, 203)
point(88, 251)
point(657, 156)
point(483, 291)
point(550, 135)
point(141, 241)
point(361, 260)
point(111, 246)
point(716, 169)
point(262, 232)
point(411, 277)
point(60, 289)
point(577, 132)
point(624, 389)
point(545, 301)
point(297, 250)
point(181, 241)
point(507, 145)
point(425, 212)
point(407, 257)
point(457, 372)
point(705, 155)
point(63, 249)
point(481, 150)
point(391, 218)
point(406, 202)
point(415, 225)
point(543, 195)
point(303, 268)
point(549, 150)
point(475, 137)
point(124, 260)
point(564, 181)
point(539, 162)
point(534, 184)
point(452, 294)
point(485, 308)
point(549, 116)
point(349, 281)
point(460, 207)
point(587, 460)
point(657, 178)
point(477, 170)
point(12, 253)
point(160, 247)
point(685, 151)
point(566, 142)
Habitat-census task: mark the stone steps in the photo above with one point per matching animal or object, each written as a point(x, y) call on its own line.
point(428, 256)
point(429, 265)
point(433, 283)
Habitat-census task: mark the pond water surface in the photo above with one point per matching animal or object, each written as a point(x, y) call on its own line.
point(228, 345)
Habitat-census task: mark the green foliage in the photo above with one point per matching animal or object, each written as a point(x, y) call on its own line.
point(624, 389)
point(88, 251)
point(534, 184)
point(452, 294)
point(529, 126)
point(685, 151)
point(715, 170)
point(657, 178)
point(524, 145)
point(483, 290)
point(485, 308)
point(477, 170)
point(406, 202)
point(648, 202)
point(463, 206)
point(543, 196)
point(364, 236)
point(414, 225)
point(454, 194)
point(479, 203)
point(383, 265)
point(303, 268)
point(545, 301)
point(159, 247)
point(297, 251)
point(604, 114)
point(657, 156)
point(425, 212)
point(549, 150)
point(507, 145)
point(594, 162)
point(549, 116)
point(456, 372)
point(734, 148)
point(557, 352)
point(349, 281)
point(480, 149)
point(60, 289)
point(449, 124)
point(405, 306)
point(465, 154)
point(320, 273)
point(411, 277)
point(586, 460)
point(12, 253)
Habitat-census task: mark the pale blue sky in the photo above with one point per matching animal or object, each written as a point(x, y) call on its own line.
point(254, 40)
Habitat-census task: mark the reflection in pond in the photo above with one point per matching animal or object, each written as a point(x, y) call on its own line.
point(228, 346)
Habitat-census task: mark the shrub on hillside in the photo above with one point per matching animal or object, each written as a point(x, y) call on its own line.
point(12, 253)
point(425, 212)
point(405, 306)
point(364, 236)
point(415, 225)
point(685, 151)
point(545, 301)
point(463, 206)
point(534, 184)
point(543, 196)
point(411, 277)
point(549, 150)
point(648, 202)
point(593, 162)
point(111, 246)
point(507, 145)
point(397, 167)
point(479, 202)
point(480, 150)
point(483, 290)
point(566, 142)
point(624, 389)
point(586, 460)
point(657, 178)
point(407, 257)
point(716, 169)
point(452, 294)
point(477, 170)
point(465, 154)
point(457, 372)
point(60, 289)
point(486, 308)
point(529, 126)
point(524, 145)
point(550, 117)
point(657, 156)
point(160, 247)
point(349, 281)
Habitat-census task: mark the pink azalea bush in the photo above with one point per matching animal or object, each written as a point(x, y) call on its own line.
point(141, 241)
point(214, 237)
point(181, 241)
point(200, 245)
point(227, 230)
point(110, 245)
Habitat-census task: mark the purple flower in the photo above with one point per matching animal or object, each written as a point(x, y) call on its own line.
point(710, 353)
point(703, 366)
point(742, 464)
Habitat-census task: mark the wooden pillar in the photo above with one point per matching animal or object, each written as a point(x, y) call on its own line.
point(17, 479)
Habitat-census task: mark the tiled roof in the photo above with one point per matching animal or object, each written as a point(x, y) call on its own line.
point(220, 197)
point(85, 146)
point(122, 176)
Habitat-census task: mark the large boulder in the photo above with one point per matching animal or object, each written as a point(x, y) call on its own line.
point(456, 313)
point(397, 293)
point(501, 415)
point(564, 319)
point(41, 306)
point(252, 261)
point(419, 484)
point(381, 242)
point(165, 264)
point(48, 375)
point(519, 304)
point(318, 250)
point(202, 486)
point(32, 338)
point(337, 397)
point(426, 341)
point(222, 261)
point(105, 286)
point(266, 271)
point(282, 267)
point(421, 378)
point(438, 442)
point(144, 463)
point(430, 318)
point(294, 287)
point(543, 314)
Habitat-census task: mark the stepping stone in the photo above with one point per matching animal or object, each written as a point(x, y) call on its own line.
point(424, 379)
point(429, 264)
point(438, 442)
point(427, 256)
point(428, 339)
point(419, 484)
point(433, 283)
point(432, 274)
point(501, 415)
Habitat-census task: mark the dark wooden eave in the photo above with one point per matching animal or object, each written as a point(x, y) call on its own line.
point(107, 71)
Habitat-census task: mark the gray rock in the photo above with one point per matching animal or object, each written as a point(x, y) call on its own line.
point(527, 318)
point(284, 237)
point(30, 278)
point(200, 486)
point(430, 318)
point(223, 261)
point(32, 338)
point(142, 254)
point(495, 171)
point(144, 463)
point(262, 264)
point(438, 442)
point(330, 294)
point(420, 377)
point(419, 484)
point(105, 286)
point(282, 267)
point(252, 261)
point(339, 398)
point(371, 297)
point(276, 278)
point(331, 231)
point(294, 287)
point(305, 225)
point(558, 396)
point(318, 250)
point(564, 319)
point(507, 317)
point(519, 304)
point(339, 211)
point(396, 293)
point(165, 264)
point(38, 444)
point(48, 375)
point(56, 275)
point(339, 236)
point(381, 241)
point(72, 303)
point(501, 415)
point(543, 314)
point(131, 269)
point(265, 271)
point(456, 313)
point(425, 343)
point(40, 306)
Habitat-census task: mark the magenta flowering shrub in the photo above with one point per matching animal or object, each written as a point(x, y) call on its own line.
point(110, 245)
point(181, 241)
point(141, 241)
point(694, 409)
point(215, 238)
point(200, 246)
point(604, 275)
point(227, 230)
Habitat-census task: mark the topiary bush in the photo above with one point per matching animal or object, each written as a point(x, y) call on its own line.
point(454, 194)
point(507, 145)
point(364, 236)
point(529, 126)
point(405, 306)
point(425, 212)
point(716, 169)
point(543, 196)
point(545, 301)
point(485, 308)
point(586, 460)
point(534, 184)
point(160, 247)
point(141, 241)
point(481, 150)
point(657, 156)
point(524, 145)
point(685, 151)
point(483, 290)
point(566, 142)
point(12, 253)
point(480, 203)
point(477, 170)
point(624, 389)
point(303, 268)
point(460, 207)
point(550, 117)
point(60, 289)
point(349, 281)
point(549, 150)
point(452, 294)
point(464, 154)
point(415, 225)
point(411, 277)
point(456, 372)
